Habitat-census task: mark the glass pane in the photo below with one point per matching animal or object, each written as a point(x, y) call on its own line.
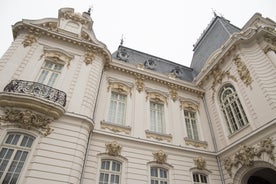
point(105, 164)
point(153, 171)
point(52, 79)
point(9, 138)
point(42, 76)
point(15, 139)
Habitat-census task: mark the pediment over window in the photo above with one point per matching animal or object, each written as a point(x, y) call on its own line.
point(157, 96)
point(57, 55)
point(189, 104)
point(120, 86)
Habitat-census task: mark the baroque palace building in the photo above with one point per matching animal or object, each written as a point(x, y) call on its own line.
point(73, 113)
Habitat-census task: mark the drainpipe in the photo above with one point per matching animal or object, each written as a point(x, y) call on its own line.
point(214, 140)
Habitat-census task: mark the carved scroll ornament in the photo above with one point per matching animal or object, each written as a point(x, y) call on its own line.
point(160, 157)
point(28, 120)
point(200, 163)
point(29, 40)
point(243, 71)
point(113, 149)
point(245, 155)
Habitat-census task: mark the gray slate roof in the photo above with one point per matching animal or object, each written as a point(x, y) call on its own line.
point(214, 36)
point(153, 63)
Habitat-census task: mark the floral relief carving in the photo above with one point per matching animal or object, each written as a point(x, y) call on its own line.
point(245, 155)
point(243, 71)
point(140, 84)
point(113, 149)
point(200, 163)
point(29, 40)
point(160, 157)
point(218, 76)
point(196, 143)
point(174, 94)
point(75, 17)
point(89, 57)
point(28, 120)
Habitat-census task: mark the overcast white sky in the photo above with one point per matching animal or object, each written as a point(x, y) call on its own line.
point(164, 28)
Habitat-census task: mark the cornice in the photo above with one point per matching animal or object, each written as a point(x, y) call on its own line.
point(50, 31)
point(153, 76)
point(228, 48)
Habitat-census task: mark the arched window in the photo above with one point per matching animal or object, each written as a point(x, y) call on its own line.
point(110, 172)
point(232, 108)
point(159, 175)
point(13, 154)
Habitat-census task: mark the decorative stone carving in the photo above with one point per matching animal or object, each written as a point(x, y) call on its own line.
point(160, 157)
point(218, 75)
point(57, 55)
point(119, 87)
point(28, 120)
point(89, 56)
point(185, 104)
point(29, 40)
point(177, 71)
point(150, 64)
point(243, 71)
point(52, 26)
point(173, 94)
point(122, 55)
point(113, 149)
point(156, 97)
point(139, 84)
point(115, 128)
point(158, 136)
point(74, 16)
point(245, 155)
point(195, 143)
point(200, 163)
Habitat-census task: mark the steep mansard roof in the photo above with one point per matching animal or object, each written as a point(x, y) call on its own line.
point(215, 35)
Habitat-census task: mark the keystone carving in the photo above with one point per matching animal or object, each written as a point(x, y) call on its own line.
point(245, 155)
point(160, 157)
point(28, 119)
point(113, 149)
point(200, 163)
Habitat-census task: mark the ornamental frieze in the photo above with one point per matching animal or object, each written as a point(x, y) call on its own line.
point(245, 155)
point(28, 119)
point(243, 71)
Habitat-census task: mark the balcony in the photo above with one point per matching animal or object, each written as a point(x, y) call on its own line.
point(35, 96)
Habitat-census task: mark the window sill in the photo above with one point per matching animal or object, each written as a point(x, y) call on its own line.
point(158, 136)
point(115, 127)
point(238, 131)
point(195, 143)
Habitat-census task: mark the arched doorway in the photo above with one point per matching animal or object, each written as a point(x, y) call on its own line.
point(260, 173)
point(262, 176)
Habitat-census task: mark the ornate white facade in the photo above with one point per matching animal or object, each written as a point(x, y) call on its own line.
point(72, 112)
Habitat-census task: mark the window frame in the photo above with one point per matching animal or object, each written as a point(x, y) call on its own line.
point(123, 123)
point(17, 148)
point(154, 124)
point(199, 174)
point(46, 79)
point(110, 172)
point(233, 111)
point(190, 135)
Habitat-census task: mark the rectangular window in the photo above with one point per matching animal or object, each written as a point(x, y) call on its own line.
point(49, 73)
point(157, 123)
point(110, 172)
point(158, 175)
point(199, 178)
point(13, 155)
point(191, 124)
point(117, 108)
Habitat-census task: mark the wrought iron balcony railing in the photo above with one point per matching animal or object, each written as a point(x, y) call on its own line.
point(38, 90)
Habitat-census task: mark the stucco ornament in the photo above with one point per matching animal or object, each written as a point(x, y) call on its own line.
point(29, 40)
point(200, 163)
point(245, 155)
point(113, 149)
point(174, 94)
point(89, 56)
point(139, 84)
point(160, 157)
point(243, 71)
point(28, 120)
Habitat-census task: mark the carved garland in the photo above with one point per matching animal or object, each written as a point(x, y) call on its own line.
point(243, 71)
point(245, 155)
point(218, 75)
point(28, 120)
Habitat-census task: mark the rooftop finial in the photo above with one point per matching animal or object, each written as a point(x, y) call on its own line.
point(122, 39)
point(89, 10)
point(214, 12)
